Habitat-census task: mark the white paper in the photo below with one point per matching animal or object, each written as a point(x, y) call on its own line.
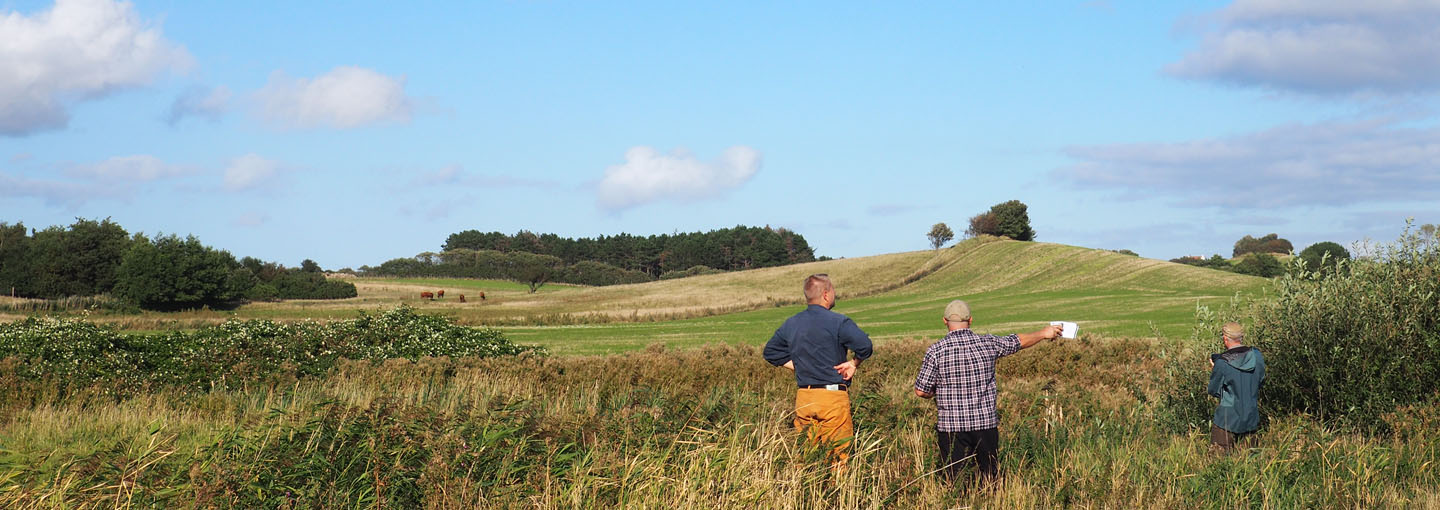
point(1067, 329)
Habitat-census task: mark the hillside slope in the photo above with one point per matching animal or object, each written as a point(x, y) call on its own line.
point(1011, 286)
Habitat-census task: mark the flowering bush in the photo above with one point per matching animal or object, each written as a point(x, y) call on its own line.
point(79, 354)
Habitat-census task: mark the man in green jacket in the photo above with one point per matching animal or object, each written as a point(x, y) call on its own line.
point(1235, 377)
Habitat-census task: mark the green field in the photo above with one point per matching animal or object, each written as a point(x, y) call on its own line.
point(1011, 286)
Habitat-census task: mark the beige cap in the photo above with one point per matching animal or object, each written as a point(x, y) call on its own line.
point(957, 311)
point(1234, 331)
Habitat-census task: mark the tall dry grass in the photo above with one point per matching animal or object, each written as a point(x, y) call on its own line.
point(705, 428)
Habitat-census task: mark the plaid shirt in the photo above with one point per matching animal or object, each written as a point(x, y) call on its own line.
point(960, 371)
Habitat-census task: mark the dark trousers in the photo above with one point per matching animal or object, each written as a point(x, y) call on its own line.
point(1225, 440)
point(970, 447)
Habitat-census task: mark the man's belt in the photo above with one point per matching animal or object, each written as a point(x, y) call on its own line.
point(831, 387)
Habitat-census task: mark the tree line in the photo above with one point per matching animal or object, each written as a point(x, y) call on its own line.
point(165, 272)
point(726, 249)
point(606, 260)
point(1258, 256)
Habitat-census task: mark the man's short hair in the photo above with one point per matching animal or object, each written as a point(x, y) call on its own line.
point(816, 285)
point(1234, 331)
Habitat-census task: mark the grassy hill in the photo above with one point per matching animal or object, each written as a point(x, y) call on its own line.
point(1011, 286)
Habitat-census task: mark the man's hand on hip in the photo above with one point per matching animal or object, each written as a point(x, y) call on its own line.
point(847, 369)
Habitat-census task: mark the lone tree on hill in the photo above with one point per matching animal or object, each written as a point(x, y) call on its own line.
point(1323, 254)
point(1008, 219)
point(1270, 243)
point(939, 235)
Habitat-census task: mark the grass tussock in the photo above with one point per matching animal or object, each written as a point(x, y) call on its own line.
point(705, 428)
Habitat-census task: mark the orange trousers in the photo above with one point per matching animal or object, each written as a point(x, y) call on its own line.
point(824, 416)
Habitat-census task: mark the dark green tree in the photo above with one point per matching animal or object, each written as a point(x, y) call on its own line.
point(534, 269)
point(1260, 264)
point(15, 276)
point(309, 266)
point(1006, 219)
point(170, 273)
point(1323, 254)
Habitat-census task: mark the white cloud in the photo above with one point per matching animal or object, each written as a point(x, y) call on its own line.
point(77, 50)
point(649, 176)
point(1322, 165)
point(56, 193)
point(345, 97)
point(250, 172)
point(1321, 46)
point(131, 168)
point(209, 103)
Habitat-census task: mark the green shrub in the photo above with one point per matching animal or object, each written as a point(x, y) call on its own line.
point(1350, 342)
point(1323, 254)
point(588, 272)
point(1260, 264)
point(300, 284)
point(263, 292)
point(693, 271)
point(1347, 344)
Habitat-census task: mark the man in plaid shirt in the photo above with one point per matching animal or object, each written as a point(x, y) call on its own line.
point(959, 373)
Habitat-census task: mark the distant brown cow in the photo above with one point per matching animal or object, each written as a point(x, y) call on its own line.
point(462, 298)
point(427, 295)
point(440, 293)
point(482, 295)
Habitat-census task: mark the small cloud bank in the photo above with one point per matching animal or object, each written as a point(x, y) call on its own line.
point(345, 97)
point(1321, 47)
point(136, 168)
point(206, 103)
point(250, 172)
point(54, 193)
point(77, 50)
point(1323, 165)
point(251, 219)
point(649, 176)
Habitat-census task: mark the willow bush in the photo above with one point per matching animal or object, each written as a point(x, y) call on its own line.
point(1349, 343)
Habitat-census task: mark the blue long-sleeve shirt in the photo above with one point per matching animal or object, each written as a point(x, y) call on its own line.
point(817, 339)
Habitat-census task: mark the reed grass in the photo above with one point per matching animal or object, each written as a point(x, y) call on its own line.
point(703, 428)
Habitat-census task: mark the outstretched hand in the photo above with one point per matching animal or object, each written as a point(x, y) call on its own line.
point(1052, 332)
point(847, 369)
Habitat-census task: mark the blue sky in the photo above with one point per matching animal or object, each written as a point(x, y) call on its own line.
point(356, 133)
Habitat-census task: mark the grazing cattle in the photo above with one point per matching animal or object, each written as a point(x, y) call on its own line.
point(462, 298)
point(440, 293)
point(482, 295)
point(427, 295)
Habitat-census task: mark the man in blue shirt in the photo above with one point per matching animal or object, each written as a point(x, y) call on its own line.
point(815, 343)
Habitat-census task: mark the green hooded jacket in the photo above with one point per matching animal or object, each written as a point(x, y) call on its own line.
point(1235, 380)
